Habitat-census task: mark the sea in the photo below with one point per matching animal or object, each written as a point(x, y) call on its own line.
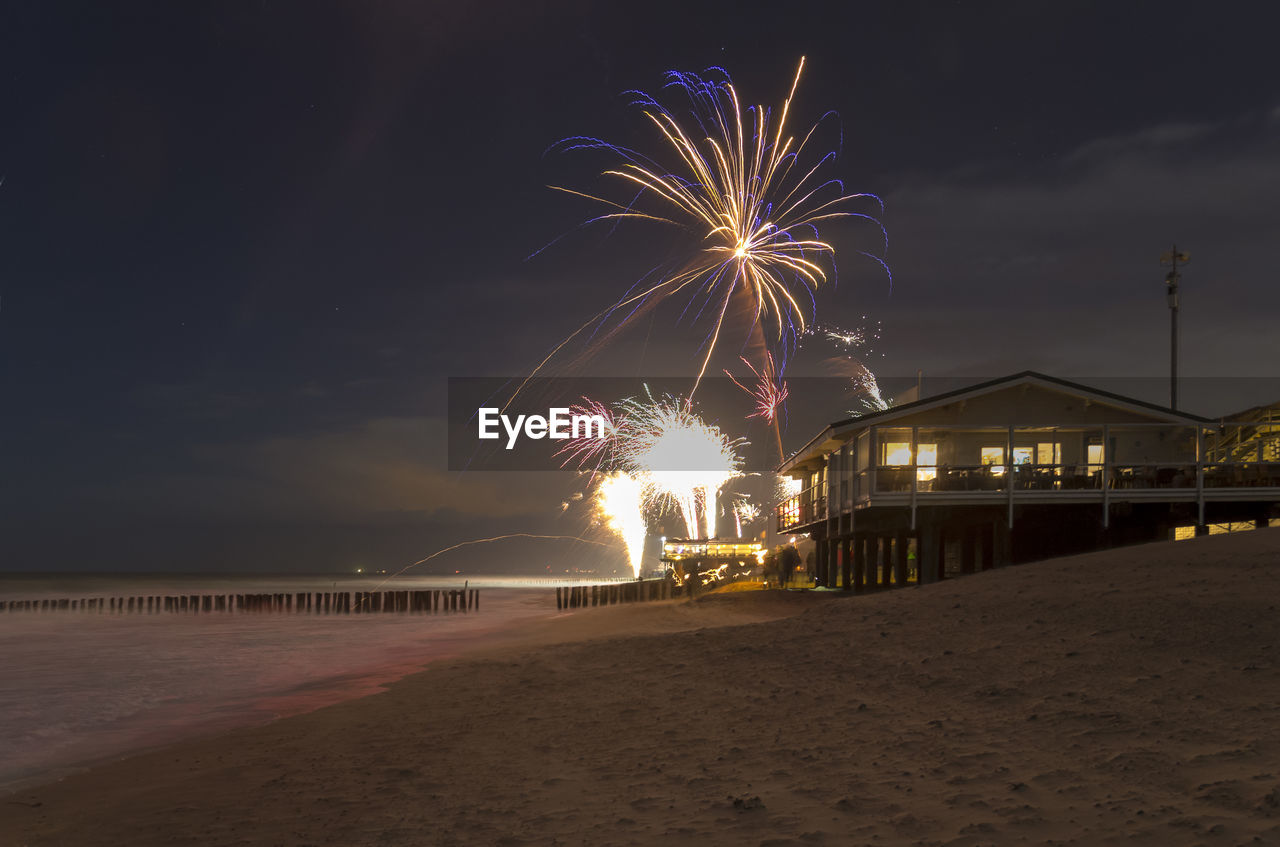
point(79, 687)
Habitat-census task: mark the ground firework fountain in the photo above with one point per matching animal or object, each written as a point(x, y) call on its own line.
point(661, 457)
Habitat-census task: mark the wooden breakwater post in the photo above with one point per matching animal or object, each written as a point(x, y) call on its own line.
point(609, 594)
point(426, 601)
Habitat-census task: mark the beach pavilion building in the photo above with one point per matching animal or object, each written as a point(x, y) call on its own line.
point(1016, 469)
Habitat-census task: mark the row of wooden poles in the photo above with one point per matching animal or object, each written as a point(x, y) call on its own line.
point(579, 596)
point(304, 602)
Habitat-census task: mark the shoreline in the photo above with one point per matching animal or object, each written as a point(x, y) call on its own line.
point(188, 676)
point(1125, 696)
point(544, 630)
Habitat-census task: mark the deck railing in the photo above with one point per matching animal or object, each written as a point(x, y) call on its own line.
point(890, 482)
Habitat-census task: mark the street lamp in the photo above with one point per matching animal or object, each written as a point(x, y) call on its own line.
point(1173, 258)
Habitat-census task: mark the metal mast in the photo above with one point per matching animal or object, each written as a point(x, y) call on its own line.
point(1173, 258)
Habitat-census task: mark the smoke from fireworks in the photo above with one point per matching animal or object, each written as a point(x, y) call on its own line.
point(748, 193)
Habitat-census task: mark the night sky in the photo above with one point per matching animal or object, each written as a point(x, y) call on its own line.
point(244, 245)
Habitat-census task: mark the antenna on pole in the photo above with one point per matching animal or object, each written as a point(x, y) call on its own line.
point(1173, 258)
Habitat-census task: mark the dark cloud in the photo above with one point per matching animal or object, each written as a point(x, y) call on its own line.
point(363, 473)
point(243, 249)
point(1060, 270)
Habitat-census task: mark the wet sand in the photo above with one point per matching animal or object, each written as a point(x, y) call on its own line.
point(1130, 696)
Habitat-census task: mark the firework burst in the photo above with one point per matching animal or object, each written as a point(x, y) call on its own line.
point(661, 457)
point(769, 392)
point(588, 452)
point(751, 196)
point(854, 346)
point(745, 513)
point(683, 460)
point(859, 341)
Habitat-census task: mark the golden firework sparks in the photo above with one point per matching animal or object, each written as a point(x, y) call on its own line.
point(748, 192)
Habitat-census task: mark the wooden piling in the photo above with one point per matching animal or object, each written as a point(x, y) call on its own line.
point(408, 601)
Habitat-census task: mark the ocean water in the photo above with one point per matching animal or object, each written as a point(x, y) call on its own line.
point(80, 686)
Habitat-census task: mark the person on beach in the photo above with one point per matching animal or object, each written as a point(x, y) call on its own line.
point(790, 558)
point(772, 576)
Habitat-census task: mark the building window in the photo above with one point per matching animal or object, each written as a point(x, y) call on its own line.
point(927, 459)
point(1048, 453)
point(993, 458)
point(897, 453)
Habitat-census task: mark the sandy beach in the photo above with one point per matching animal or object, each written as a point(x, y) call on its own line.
point(1128, 696)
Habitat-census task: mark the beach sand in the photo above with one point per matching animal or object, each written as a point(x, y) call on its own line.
point(1128, 696)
